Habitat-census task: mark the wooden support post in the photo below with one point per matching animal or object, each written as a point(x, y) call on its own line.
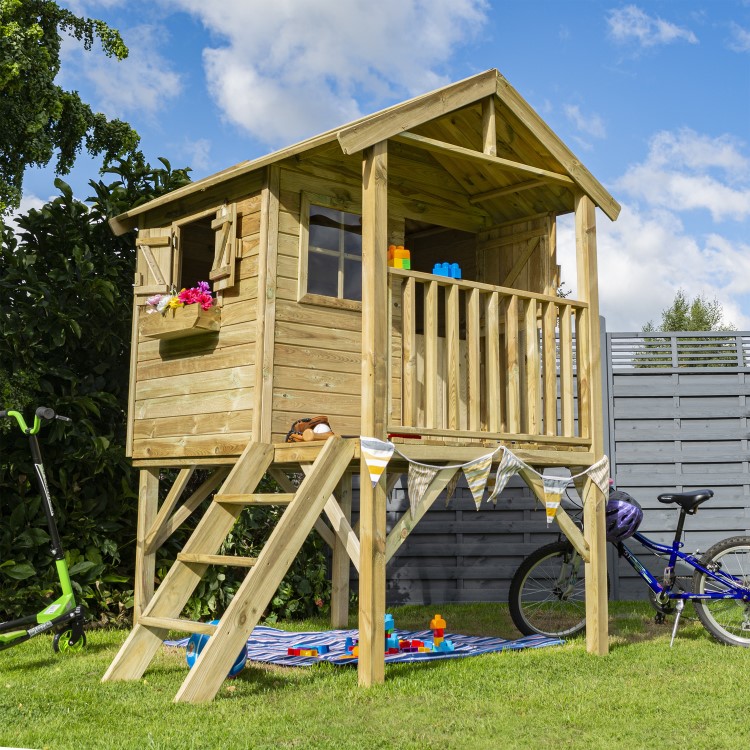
point(340, 561)
point(375, 345)
point(145, 561)
point(489, 129)
point(597, 631)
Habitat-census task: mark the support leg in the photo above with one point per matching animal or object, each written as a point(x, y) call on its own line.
point(145, 562)
point(340, 561)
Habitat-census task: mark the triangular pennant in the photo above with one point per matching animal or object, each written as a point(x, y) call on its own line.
point(476, 473)
point(420, 477)
point(599, 474)
point(451, 488)
point(377, 454)
point(554, 486)
point(509, 465)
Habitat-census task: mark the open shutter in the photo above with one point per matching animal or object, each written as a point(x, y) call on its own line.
point(154, 269)
point(225, 226)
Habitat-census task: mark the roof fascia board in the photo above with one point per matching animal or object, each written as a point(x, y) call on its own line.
point(582, 177)
point(410, 114)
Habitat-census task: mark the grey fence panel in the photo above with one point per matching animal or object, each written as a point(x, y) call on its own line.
point(678, 416)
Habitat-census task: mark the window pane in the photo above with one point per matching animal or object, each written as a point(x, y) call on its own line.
point(323, 274)
point(353, 280)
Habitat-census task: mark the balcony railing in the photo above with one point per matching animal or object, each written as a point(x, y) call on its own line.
point(476, 361)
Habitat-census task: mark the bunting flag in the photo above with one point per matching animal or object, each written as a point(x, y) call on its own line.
point(377, 454)
point(509, 465)
point(451, 488)
point(554, 486)
point(599, 474)
point(420, 477)
point(476, 473)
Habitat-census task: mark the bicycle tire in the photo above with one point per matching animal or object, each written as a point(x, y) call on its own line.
point(537, 602)
point(727, 620)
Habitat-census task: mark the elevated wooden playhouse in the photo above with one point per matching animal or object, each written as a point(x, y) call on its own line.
point(310, 319)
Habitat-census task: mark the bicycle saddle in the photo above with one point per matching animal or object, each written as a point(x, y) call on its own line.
point(688, 501)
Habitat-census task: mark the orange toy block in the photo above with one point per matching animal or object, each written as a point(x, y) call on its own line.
point(437, 622)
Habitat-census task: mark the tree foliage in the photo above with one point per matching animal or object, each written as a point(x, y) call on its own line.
point(38, 117)
point(698, 314)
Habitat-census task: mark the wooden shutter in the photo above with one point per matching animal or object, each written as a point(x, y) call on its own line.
point(154, 269)
point(225, 226)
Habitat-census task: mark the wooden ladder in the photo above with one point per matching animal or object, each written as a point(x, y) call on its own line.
point(263, 579)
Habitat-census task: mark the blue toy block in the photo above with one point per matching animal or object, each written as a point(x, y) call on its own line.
point(446, 646)
point(455, 271)
point(391, 643)
point(389, 622)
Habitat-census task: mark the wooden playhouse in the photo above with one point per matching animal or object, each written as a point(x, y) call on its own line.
point(310, 319)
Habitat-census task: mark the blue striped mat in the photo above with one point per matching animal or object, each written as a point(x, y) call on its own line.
point(269, 645)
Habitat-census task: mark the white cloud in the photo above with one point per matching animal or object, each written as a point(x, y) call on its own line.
point(293, 68)
point(688, 171)
point(592, 125)
point(139, 85)
point(197, 153)
point(648, 254)
point(740, 41)
point(631, 24)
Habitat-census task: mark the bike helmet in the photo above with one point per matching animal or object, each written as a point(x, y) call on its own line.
point(623, 516)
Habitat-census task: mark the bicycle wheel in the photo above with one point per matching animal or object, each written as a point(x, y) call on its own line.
point(728, 620)
point(547, 592)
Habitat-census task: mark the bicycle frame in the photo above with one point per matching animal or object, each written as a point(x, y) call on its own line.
point(736, 589)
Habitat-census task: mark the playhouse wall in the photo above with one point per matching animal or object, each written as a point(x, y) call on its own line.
point(193, 397)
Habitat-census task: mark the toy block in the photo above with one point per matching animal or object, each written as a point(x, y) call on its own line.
point(392, 643)
point(355, 651)
point(389, 622)
point(398, 252)
point(437, 622)
point(438, 632)
point(292, 652)
point(437, 641)
point(424, 650)
point(446, 647)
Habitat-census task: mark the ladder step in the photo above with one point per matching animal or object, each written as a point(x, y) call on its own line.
point(176, 623)
point(279, 498)
point(237, 562)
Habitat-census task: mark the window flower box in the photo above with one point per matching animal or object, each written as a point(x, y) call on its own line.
point(180, 322)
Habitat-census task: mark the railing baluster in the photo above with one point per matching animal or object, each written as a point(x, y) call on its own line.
point(567, 416)
point(533, 369)
point(550, 368)
point(431, 354)
point(494, 390)
point(410, 353)
point(452, 355)
point(473, 355)
point(512, 364)
point(583, 372)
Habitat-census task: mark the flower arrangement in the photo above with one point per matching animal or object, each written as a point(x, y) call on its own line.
point(197, 295)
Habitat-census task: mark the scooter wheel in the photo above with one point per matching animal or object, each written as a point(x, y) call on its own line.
point(61, 642)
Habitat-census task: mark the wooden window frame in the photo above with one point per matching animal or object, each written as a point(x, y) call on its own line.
point(303, 296)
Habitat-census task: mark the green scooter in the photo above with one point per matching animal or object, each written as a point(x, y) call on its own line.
point(63, 614)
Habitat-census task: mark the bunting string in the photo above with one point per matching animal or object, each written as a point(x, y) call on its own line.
point(377, 454)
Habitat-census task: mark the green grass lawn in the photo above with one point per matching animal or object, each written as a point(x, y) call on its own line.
point(642, 695)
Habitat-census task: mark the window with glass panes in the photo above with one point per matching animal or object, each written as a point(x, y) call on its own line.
point(334, 253)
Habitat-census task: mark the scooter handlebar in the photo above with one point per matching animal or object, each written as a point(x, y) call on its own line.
point(45, 412)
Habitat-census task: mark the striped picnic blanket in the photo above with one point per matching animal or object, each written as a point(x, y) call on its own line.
point(270, 645)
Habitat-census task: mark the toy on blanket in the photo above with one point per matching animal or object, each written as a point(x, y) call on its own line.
point(198, 641)
point(308, 649)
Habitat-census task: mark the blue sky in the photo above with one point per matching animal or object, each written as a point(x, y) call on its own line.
point(653, 97)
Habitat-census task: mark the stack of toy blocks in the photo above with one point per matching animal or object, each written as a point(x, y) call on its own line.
point(391, 642)
point(439, 643)
point(399, 257)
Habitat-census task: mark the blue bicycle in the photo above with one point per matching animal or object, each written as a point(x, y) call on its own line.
point(547, 591)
